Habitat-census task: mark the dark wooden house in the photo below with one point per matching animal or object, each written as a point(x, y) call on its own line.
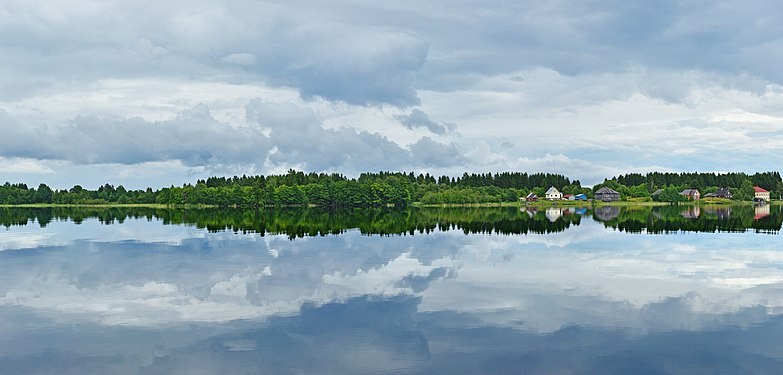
point(606, 194)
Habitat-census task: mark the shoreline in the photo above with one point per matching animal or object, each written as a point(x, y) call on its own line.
point(414, 205)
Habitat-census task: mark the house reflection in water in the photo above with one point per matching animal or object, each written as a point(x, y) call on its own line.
point(530, 211)
point(606, 213)
point(720, 212)
point(554, 213)
point(760, 211)
point(691, 212)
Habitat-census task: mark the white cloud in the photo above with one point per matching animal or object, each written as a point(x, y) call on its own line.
point(23, 165)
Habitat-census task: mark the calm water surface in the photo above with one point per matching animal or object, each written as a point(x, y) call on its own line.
point(664, 290)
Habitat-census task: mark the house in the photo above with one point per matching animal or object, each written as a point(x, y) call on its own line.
point(692, 194)
point(568, 197)
point(607, 194)
point(532, 197)
point(580, 197)
point(721, 193)
point(761, 195)
point(553, 194)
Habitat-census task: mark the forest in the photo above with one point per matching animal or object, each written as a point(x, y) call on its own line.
point(398, 189)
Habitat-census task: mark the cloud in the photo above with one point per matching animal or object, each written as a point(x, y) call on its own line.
point(194, 137)
point(279, 135)
point(21, 165)
point(290, 45)
point(419, 119)
point(300, 138)
point(78, 75)
point(240, 59)
point(427, 152)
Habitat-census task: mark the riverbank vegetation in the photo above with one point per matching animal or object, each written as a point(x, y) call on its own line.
point(389, 189)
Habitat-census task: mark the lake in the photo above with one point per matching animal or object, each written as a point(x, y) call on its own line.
point(606, 290)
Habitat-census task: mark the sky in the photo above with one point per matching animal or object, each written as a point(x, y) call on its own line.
point(145, 93)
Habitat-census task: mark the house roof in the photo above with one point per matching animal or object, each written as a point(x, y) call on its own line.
point(553, 190)
point(690, 192)
point(659, 191)
point(606, 190)
point(532, 195)
point(760, 190)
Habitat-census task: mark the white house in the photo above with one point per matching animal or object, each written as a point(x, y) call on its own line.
point(760, 195)
point(553, 194)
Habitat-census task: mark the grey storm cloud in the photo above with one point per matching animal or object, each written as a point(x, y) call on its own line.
point(280, 44)
point(381, 53)
point(419, 119)
point(193, 137)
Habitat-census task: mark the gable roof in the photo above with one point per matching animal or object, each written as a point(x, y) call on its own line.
point(552, 190)
point(760, 190)
point(688, 192)
point(532, 195)
point(606, 190)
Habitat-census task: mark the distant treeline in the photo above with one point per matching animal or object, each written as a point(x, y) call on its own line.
point(298, 189)
point(399, 189)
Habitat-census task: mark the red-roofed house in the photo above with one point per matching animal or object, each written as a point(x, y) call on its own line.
point(761, 195)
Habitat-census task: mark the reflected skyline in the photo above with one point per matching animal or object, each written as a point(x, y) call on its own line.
point(172, 298)
point(308, 222)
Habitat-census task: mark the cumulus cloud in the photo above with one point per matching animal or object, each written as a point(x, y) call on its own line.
point(278, 135)
point(300, 138)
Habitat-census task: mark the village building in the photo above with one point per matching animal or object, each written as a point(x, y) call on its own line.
point(761, 195)
point(606, 194)
point(580, 197)
point(553, 194)
point(721, 193)
point(532, 197)
point(692, 194)
point(569, 197)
